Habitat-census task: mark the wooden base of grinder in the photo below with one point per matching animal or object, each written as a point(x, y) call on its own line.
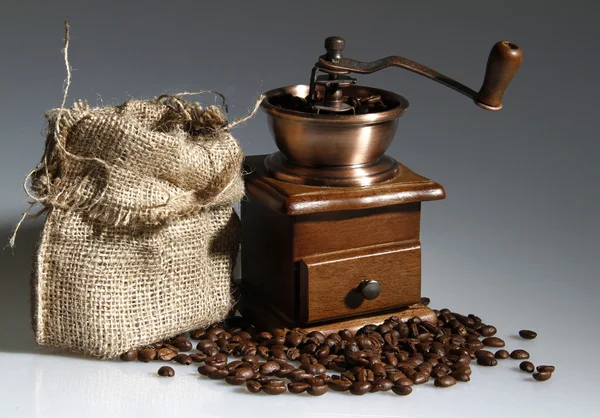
point(262, 319)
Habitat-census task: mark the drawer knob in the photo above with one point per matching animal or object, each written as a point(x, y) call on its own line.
point(370, 289)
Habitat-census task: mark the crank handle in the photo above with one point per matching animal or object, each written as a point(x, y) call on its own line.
point(503, 62)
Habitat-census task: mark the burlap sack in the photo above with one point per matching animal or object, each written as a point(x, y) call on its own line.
point(140, 237)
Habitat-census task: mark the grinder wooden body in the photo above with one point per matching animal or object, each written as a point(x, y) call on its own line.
point(307, 250)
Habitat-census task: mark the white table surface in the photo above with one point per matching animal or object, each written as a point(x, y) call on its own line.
point(40, 382)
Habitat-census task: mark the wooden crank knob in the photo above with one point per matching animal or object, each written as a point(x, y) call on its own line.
point(502, 65)
point(369, 289)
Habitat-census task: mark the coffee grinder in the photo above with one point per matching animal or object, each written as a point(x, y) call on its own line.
point(331, 223)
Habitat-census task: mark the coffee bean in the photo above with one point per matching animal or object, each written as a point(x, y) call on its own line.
point(444, 367)
point(527, 334)
point(183, 344)
point(205, 369)
point(502, 354)
point(465, 320)
point(474, 318)
point(197, 334)
point(379, 370)
point(425, 368)
point(218, 360)
point(251, 359)
point(345, 334)
point(278, 352)
point(340, 385)
point(211, 351)
point(263, 352)
point(542, 376)
point(318, 390)
point(247, 348)
point(323, 352)
point(401, 390)
point(276, 341)
point(382, 385)
point(527, 366)
point(225, 335)
point(391, 359)
point(462, 369)
point(298, 387)
point(269, 368)
point(309, 348)
point(361, 375)
point(474, 346)
point(463, 359)
point(438, 372)
point(170, 347)
point(413, 330)
point(234, 380)
point(545, 369)
point(253, 386)
point(392, 337)
point(519, 354)
point(244, 335)
point(203, 345)
point(316, 336)
point(166, 371)
point(146, 355)
point(420, 378)
point(244, 373)
point(284, 370)
point(404, 381)
point(445, 381)
point(493, 342)
point(314, 368)
point(265, 380)
point(460, 376)
point(483, 353)
point(402, 329)
point(298, 375)
point(183, 359)
point(280, 332)
point(425, 301)
point(360, 388)
point(218, 374)
point(307, 359)
point(165, 354)
point(487, 361)
point(235, 364)
point(293, 339)
point(488, 331)
point(215, 328)
point(263, 337)
point(273, 389)
point(129, 355)
point(223, 344)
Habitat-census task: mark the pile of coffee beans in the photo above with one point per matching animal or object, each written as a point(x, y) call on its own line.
point(358, 105)
point(394, 356)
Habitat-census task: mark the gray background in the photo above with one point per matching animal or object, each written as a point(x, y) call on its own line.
point(516, 237)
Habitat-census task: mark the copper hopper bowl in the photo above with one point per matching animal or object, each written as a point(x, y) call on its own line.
point(333, 149)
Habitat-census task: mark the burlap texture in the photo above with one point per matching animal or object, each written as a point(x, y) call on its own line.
point(140, 238)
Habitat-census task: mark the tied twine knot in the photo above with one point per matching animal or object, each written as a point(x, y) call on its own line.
point(198, 121)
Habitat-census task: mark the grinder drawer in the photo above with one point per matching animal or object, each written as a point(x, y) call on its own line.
point(390, 275)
